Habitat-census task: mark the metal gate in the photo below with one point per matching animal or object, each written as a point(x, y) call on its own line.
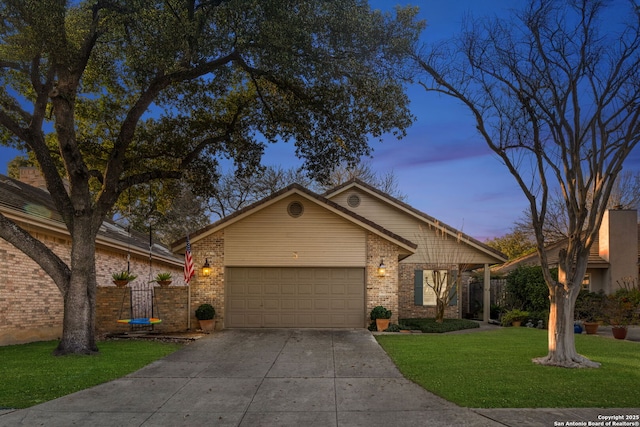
point(142, 303)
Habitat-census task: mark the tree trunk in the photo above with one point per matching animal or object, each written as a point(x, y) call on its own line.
point(562, 349)
point(440, 306)
point(78, 336)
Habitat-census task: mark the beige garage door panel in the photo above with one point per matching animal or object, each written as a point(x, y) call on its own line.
point(295, 297)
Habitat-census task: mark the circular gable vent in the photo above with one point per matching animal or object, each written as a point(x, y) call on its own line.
point(354, 200)
point(295, 209)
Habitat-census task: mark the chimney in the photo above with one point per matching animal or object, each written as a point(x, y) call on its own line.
point(33, 177)
point(618, 244)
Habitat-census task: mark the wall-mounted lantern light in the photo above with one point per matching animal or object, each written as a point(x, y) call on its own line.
point(382, 269)
point(206, 268)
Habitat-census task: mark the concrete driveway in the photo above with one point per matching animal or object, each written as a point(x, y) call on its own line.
point(274, 377)
point(279, 377)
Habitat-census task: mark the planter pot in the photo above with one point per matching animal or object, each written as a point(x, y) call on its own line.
point(207, 325)
point(591, 327)
point(577, 329)
point(382, 324)
point(164, 283)
point(120, 283)
point(619, 332)
point(516, 323)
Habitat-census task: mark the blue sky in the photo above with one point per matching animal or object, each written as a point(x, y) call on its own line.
point(442, 165)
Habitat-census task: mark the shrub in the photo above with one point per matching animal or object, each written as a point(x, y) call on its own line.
point(380, 312)
point(589, 306)
point(431, 326)
point(205, 312)
point(495, 312)
point(514, 315)
point(527, 290)
point(393, 328)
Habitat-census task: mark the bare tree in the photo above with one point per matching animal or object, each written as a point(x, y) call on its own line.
point(446, 259)
point(557, 100)
point(625, 194)
point(386, 182)
point(234, 192)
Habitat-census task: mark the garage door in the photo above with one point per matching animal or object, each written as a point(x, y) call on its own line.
point(295, 297)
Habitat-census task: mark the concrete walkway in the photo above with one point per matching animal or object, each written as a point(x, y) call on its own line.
point(276, 377)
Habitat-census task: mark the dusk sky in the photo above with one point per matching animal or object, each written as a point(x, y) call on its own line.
point(442, 165)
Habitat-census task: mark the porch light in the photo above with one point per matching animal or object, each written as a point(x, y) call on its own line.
point(206, 268)
point(382, 269)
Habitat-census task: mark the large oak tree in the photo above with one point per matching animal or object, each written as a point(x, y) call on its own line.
point(556, 95)
point(114, 94)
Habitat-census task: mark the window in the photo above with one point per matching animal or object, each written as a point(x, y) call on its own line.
point(432, 280)
point(426, 280)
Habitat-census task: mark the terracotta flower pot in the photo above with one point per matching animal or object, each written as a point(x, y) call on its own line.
point(164, 283)
point(619, 332)
point(121, 283)
point(208, 325)
point(591, 327)
point(382, 324)
point(516, 323)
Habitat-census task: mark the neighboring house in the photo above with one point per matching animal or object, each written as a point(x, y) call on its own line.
point(614, 257)
point(299, 259)
point(31, 305)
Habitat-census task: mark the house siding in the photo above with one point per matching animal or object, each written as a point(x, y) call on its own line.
point(318, 238)
point(411, 228)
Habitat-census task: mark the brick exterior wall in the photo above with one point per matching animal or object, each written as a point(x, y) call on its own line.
point(209, 290)
point(112, 304)
point(31, 305)
point(407, 307)
point(381, 290)
point(173, 305)
point(115, 303)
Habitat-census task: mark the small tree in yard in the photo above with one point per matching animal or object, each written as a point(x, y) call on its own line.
point(557, 99)
point(114, 95)
point(446, 259)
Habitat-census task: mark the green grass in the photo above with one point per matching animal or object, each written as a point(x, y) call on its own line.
point(494, 369)
point(431, 326)
point(30, 374)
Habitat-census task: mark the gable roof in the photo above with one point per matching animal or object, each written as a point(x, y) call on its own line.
point(413, 212)
point(25, 203)
point(408, 246)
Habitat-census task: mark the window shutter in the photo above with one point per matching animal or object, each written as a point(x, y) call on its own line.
point(452, 291)
point(417, 288)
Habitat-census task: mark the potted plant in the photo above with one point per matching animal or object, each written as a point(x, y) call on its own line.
point(589, 308)
point(380, 316)
point(121, 278)
point(514, 317)
point(163, 279)
point(620, 312)
point(205, 315)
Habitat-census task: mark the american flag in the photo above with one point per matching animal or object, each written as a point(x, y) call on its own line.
point(189, 271)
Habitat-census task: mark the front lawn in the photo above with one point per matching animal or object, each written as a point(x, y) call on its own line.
point(494, 369)
point(31, 375)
